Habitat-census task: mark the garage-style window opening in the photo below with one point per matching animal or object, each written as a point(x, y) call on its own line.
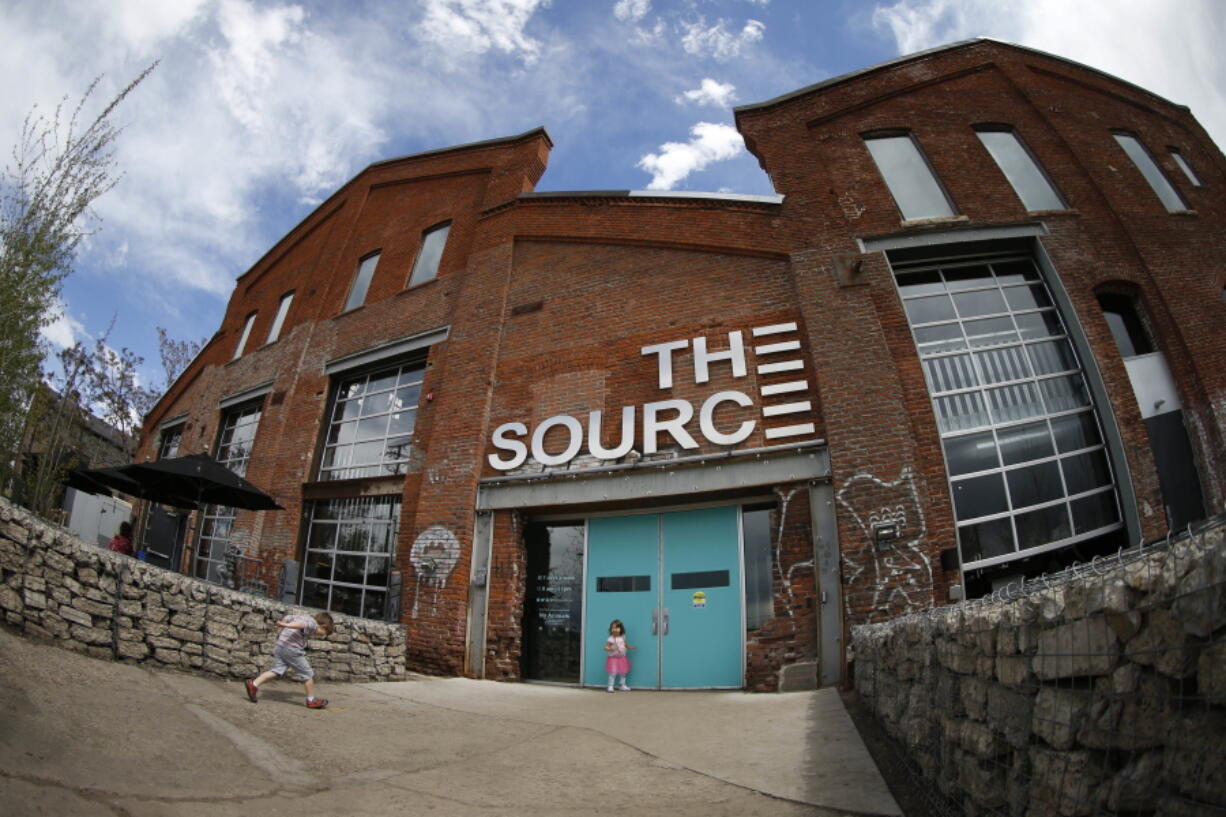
point(912, 183)
point(238, 429)
point(279, 321)
point(351, 547)
point(370, 428)
point(361, 283)
point(433, 242)
point(242, 341)
point(1152, 173)
point(1024, 449)
point(1020, 168)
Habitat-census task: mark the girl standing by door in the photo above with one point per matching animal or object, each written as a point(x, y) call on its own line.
point(617, 663)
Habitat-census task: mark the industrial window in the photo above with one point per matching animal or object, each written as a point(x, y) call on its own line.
point(1152, 173)
point(431, 253)
point(370, 427)
point(759, 565)
point(238, 427)
point(1186, 168)
point(1024, 450)
point(351, 545)
point(169, 440)
point(911, 181)
point(279, 321)
point(242, 341)
point(1020, 168)
point(366, 271)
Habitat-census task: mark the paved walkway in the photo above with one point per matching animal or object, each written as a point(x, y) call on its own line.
point(86, 737)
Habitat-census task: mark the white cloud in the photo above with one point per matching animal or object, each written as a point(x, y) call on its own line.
point(631, 11)
point(717, 41)
point(477, 26)
point(676, 160)
point(64, 330)
point(1173, 51)
point(710, 92)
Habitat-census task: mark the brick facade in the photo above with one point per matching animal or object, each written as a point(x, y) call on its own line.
point(548, 300)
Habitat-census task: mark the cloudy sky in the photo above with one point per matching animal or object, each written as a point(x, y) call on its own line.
point(260, 109)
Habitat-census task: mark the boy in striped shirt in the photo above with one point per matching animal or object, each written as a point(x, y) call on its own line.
point(290, 653)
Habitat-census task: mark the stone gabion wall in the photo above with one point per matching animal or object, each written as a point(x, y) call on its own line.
point(86, 598)
point(1098, 691)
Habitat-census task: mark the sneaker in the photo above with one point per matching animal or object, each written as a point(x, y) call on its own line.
point(624, 688)
point(318, 703)
point(253, 692)
point(610, 689)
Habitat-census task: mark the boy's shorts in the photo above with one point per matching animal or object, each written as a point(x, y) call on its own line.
point(284, 658)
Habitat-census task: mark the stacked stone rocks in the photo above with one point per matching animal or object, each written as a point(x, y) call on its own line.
point(85, 598)
point(1101, 691)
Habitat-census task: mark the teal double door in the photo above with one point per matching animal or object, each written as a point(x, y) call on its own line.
point(674, 581)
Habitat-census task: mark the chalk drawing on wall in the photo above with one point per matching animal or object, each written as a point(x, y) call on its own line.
point(902, 570)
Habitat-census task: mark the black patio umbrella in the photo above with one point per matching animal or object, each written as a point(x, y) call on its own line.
point(118, 480)
point(203, 479)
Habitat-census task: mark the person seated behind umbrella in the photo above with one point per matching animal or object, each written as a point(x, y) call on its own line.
point(122, 543)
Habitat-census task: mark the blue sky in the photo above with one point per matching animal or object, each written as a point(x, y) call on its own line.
point(259, 110)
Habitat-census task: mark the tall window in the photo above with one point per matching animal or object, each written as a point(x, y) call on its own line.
point(366, 271)
point(431, 253)
point(168, 442)
point(279, 321)
point(1152, 173)
point(238, 429)
point(1186, 168)
point(371, 425)
point(242, 341)
point(911, 181)
point(350, 550)
point(1024, 450)
point(1020, 168)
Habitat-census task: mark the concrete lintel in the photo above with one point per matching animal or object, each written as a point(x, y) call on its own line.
point(573, 488)
point(909, 240)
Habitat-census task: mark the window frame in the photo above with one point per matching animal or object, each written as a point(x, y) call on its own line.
point(278, 321)
point(408, 373)
point(1156, 178)
point(371, 525)
point(246, 336)
point(442, 226)
point(207, 561)
point(1037, 166)
point(358, 285)
point(924, 162)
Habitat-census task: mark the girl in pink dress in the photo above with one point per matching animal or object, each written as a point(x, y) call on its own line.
point(617, 663)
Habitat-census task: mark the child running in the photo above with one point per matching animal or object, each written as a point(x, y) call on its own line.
point(617, 663)
point(290, 653)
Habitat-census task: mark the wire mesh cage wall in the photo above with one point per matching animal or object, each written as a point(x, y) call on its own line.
point(1097, 691)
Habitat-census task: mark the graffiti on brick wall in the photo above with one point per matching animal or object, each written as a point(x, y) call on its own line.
point(902, 573)
point(434, 555)
point(785, 499)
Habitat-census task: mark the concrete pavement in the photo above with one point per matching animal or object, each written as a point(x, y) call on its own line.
point(86, 737)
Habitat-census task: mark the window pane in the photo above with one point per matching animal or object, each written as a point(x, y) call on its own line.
point(1157, 180)
point(401, 423)
point(315, 594)
point(986, 539)
point(968, 277)
point(432, 244)
point(1075, 431)
point(1095, 511)
point(911, 182)
point(960, 412)
point(1024, 443)
point(1064, 393)
point(973, 452)
point(1034, 484)
point(1039, 324)
point(342, 432)
point(979, 302)
point(950, 373)
point(350, 569)
point(1016, 402)
point(1125, 324)
point(921, 283)
point(929, 310)
point(366, 271)
point(374, 604)
point(990, 332)
point(323, 536)
point(279, 321)
point(1031, 297)
point(1020, 168)
point(372, 428)
point(1001, 365)
point(942, 338)
point(1085, 472)
point(1186, 168)
point(1015, 272)
point(242, 341)
point(1042, 526)
point(319, 565)
point(1052, 356)
point(979, 496)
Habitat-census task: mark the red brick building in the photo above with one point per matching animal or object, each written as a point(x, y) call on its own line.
point(976, 335)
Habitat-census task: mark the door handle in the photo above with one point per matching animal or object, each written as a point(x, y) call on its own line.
point(655, 621)
point(665, 621)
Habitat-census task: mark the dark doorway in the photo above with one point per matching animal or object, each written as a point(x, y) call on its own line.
point(553, 603)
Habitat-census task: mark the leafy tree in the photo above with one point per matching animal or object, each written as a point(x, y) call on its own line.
point(176, 355)
point(114, 391)
point(59, 168)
